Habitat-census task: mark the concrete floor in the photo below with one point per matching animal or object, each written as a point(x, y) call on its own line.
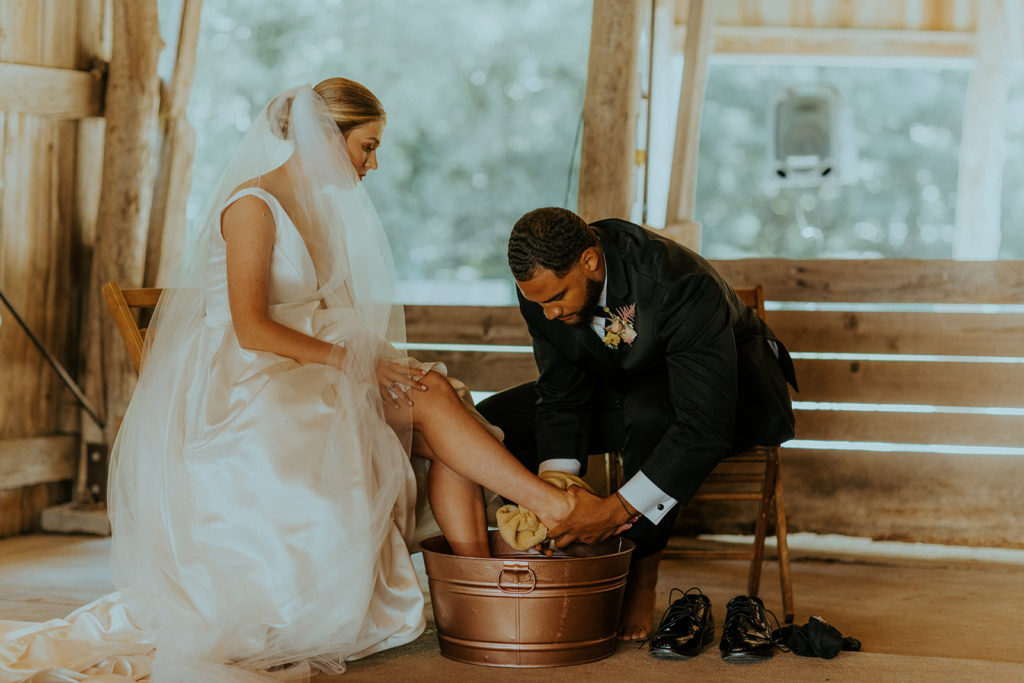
point(920, 615)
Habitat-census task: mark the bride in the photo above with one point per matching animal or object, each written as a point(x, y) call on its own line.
point(261, 494)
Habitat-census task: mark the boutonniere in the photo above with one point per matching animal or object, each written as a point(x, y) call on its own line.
point(619, 327)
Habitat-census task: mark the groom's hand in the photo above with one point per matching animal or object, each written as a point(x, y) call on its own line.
point(591, 520)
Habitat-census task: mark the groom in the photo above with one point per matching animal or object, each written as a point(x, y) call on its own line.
point(642, 347)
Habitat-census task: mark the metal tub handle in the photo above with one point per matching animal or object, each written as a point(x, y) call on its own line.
point(517, 569)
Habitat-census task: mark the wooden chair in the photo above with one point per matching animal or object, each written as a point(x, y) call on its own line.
point(121, 303)
point(754, 476)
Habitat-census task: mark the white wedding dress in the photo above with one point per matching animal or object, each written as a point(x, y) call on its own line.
point(274, 526)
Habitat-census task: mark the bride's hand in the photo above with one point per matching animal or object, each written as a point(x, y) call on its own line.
point(395, 382)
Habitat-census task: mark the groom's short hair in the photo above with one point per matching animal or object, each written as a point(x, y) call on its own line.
point(550, 238)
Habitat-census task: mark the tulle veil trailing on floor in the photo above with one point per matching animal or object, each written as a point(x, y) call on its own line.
point(261, 508)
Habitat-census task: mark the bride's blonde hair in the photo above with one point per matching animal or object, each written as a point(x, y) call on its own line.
point(349, 103)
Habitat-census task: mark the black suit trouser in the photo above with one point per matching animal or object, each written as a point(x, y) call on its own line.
point(631, 424)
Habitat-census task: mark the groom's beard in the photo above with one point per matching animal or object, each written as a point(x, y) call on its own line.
point(590, 307)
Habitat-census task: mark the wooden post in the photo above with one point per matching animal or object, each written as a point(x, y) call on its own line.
point(663, 105)
point(980, 181)
point(167, 221)
point(679, 223)
point(132, 98)
point(607, 154)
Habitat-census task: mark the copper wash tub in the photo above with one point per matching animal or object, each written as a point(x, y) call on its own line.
point(519, 609)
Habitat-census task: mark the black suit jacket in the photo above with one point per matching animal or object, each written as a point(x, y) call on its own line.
point(699, 376)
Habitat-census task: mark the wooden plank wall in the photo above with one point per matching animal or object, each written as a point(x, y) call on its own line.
point(956, 459)
point(44, 234)
point(927, 485)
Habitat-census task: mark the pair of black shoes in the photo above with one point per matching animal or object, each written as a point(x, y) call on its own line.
point(688, 626)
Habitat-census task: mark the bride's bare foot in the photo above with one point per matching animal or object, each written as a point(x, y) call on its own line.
point(638, 602)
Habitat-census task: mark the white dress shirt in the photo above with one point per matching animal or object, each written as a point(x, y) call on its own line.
point(643, 494)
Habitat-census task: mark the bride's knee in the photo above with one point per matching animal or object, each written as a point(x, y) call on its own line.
point(439, 396)
point(438, 386)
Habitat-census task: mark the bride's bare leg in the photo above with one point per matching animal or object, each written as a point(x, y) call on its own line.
point(460, 442)
point(458, 506)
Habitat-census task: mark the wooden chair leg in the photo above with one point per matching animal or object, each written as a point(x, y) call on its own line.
point(761, 529)
point(785, 577)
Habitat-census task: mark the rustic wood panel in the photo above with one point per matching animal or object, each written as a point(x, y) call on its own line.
point(58, 31)
point(919, 428)
point(24, 250)
point(967, 334)
point(880, 280)
point(21, 508)
point(964, 500)
point(21, 39)
point(960, 500)
point(499, 325)
point(952, 384)
point(970, 334)
point(485, 371)
point(466, 325)
point(30, 461)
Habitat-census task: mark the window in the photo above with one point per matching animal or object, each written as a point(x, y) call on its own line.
point(483, 102)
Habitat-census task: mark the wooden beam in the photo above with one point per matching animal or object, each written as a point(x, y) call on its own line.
point(485, 371)
point(915, 383)
point(963, 334)
point(129, 168)
point(880, 280)
point(607, 152)
point(466, 325)
point(853, 43)
point(167, 222)
point(679, 223)
point(979, 190)
point(184, 60)
point(964, 429)
point(46, 91)
point(38, 460)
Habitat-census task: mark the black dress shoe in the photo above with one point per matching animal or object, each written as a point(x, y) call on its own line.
point(686, 627)
point(746, 635)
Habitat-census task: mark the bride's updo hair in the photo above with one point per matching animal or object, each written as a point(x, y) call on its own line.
point(350, 104)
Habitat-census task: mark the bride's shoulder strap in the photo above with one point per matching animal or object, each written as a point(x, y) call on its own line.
point(270, 200)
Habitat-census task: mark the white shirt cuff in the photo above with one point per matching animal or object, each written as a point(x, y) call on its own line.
point(645, 496)
point(570, 465)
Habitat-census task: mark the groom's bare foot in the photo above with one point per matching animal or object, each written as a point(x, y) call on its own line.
point(638, 602)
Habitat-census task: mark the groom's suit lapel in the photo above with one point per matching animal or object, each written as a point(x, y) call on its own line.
point(618, 295)
point(619, 292)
